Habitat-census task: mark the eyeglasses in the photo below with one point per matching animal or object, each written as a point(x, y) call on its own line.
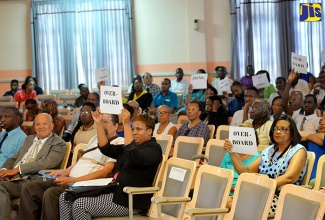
point(255, 108)
point(146, 77)
point(162, 113)
point(85, 112)
point(283, 130)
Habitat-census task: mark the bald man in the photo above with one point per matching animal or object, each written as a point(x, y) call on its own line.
point(43, 150)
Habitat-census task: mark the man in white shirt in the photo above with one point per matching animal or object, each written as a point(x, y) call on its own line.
point(221, 75)
point(297, 84)
point(43, 150)
point(309, 121)
point(179, 84)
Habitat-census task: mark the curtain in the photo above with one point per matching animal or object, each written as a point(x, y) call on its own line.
point(264, 33)
point(72, 38)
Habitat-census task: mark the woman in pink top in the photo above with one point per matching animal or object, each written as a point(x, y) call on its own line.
point(27, 91)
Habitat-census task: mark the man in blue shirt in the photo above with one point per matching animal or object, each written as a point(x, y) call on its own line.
point(13, 138)
point(165, 97)
point(238, 103)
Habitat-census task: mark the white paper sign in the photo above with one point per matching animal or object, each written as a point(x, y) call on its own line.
point(299, 62)
point(323, 56)
point(111, 99)
point(199, 81)
point(102, 74)
point(243, 140)
point(177, 174)
point(95, 182)
point(225, 85)
point(260, 81)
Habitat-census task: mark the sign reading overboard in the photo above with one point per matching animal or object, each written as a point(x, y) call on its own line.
point(225, 85)
point(111, 100)
point(199, 81)
point(102, 74)
point(177, 174)
point(243, 140)
point(260, 81)
point(299, 63)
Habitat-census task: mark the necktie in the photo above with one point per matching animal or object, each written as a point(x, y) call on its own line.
point(148, 90)
point(302, 124)
point(3, 139)
point(33, 153)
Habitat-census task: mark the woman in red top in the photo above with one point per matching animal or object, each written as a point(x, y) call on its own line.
point(27, 91)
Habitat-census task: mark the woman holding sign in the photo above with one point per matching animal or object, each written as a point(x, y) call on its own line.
point(137, 161)
point(284, 160)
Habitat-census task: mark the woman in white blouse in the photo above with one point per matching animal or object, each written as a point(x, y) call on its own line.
point(164, 126)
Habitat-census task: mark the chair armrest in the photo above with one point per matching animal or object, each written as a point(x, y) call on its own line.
point(199, 156)
point(48, 171)
point(158, 200)
point(203, 211)
point(140, 190)
point(307, 186)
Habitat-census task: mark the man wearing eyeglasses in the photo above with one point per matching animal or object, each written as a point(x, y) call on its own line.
point(149, 86)
point(13, 137)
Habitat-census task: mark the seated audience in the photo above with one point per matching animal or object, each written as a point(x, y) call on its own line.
point(284, 160)
point(136, 76)
point(140, 95)
point(82, 99)
point(32, 112)
point(191, 95)
point(215, 112)
point(86, 128)
point(149, 86)
point(137, 110)
point(13, 88)
point(251, 94)
point(44, 150)
point(179, 84)
point(195, 127)
point(165, 97)
point(38, 90)
point(43, 196)
point(238, 103)
point(137, 161)
point(12, 138)
point(50, 107)
point(27, 91)
point(259, 119)
point(248, 79)
point(280, 83)
point(267, 91)
point(221, 75)
point(164, 126)
point(276, 108)
point(309, 78)
point(319, 88)
point(120, 128)
point(210, 91)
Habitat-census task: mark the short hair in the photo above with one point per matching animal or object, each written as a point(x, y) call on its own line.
point(218, 67)
point(321, 72)
point(14, 81)
point(113, 117)
point(167, 80)
point(129, 108)
point(147, 120)
point(82, 85)
point(264, 71)
point(254, 89)
point(197, 103)
point(265, 106)
point(136, 77)
point(168, 109)
point(201, 71)
point(296, 137)
point(214, 90)
point(179, 69)
point(215, 97)
point(30, 101)
point(146, 73)
point(91, 105)
point(312, 96)
point(95, 94)
point(239, 84)
point(282, 78)
point(13, 109)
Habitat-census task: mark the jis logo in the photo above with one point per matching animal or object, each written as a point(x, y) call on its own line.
point(310, 12)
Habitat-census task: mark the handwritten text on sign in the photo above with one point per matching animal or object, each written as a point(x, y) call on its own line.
point(102, 74)
point(111, 100)
point(225, 85)
point(261, 81)
point(299, 62)
point(243, 140)
point(199, 81)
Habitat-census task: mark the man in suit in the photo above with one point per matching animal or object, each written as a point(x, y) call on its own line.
point(43, 150)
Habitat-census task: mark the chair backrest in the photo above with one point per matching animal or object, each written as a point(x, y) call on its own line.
point(67, 119)
point(306, 133)
point(211, 189)
point(178, 126)
point(179, 98)
point(66, 97)
point(22, 106)
point(222, 132)
point(310, 164)
point(57, 92)
point(77, 152)
point(177, 180)
point(212, 128)
point(229, 120)
point(6, 104)
point(253, 192)
point(66, 156)
point(6, 99)
point(182, 119)
point(64, 111)
point(320, 177)
point(165, 141)
point(214, 152)
point(75, 91)
point(186, 147)
point(299, 203)
point(43, 98)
